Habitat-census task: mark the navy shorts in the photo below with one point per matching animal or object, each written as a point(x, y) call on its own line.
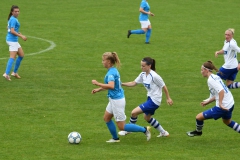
point(148, 107)
point(229, 74)
point(217, 113)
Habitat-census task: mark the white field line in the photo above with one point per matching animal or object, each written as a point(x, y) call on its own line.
point(52, 45)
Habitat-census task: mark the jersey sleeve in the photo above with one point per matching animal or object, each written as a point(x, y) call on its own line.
point(139, 79)
point(110, 78)
point(159, 81)
point(235, 47)
point(143, 5)
point(12, 23)
point(216, 85)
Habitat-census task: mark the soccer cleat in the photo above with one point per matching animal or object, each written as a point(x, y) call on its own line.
point(7, 77)
point(123, 133)
point(148, 133)
point(147, 42)
point(194, 133)
point(15, 75)
point(113, 140)
point(129, 33)
point(165, 134)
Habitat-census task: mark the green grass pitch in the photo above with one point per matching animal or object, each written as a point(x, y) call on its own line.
point(54, 98)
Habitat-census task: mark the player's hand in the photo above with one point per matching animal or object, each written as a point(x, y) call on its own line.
point(152, 14)
point(216, 54)
point(94, 82)
point(24, 37)
point(204, 103)
point(238, 66)
point(223, 108)
point(170, 101)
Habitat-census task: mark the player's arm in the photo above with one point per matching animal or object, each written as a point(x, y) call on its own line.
point(144, 12)
point(18, 34)
point(211, 99)
point(129, 84)
point(110, 84)
point(219, 52)
point(169, 100)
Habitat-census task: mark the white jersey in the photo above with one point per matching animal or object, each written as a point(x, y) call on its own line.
point(153, 84)
point(215, 85)
point(230, 54)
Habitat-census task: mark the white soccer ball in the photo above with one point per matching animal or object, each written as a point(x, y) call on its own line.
point(74, 137)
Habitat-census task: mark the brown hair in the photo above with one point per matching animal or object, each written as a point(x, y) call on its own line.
point(11, 10)
point(113, 57)
point(150, 61)
point(209, 65)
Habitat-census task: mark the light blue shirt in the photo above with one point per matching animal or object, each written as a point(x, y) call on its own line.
point(12, 23)
point(145, 6)
point(113, 75)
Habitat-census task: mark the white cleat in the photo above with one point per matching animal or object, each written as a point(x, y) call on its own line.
point(113, 140)
point(148, 133)
point(165, 134)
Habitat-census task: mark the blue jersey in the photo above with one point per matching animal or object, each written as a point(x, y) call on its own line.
point(145, 6)
point(113, 75)
point(12, 23)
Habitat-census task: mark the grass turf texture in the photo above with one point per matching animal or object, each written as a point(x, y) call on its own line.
point(53, 98)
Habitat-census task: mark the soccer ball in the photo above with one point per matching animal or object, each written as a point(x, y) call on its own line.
point(74, 138)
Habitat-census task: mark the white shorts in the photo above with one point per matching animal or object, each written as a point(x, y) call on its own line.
point(117, 108)
point(145, 24)
point(13, 46)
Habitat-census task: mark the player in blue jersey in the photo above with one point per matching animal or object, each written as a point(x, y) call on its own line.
point(229, 69)
point(116, 105)
point(154, 85)
point(12, 40)
point(144, 21)
point(224, 101)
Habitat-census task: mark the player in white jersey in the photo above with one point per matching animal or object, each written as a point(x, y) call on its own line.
point(224, 101)
point(230, 67)
point(154, 85)
point(12, 40)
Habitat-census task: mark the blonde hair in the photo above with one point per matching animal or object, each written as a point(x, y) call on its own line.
point(113, 57)
point(232, 30)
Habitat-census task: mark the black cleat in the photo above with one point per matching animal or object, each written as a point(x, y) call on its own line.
point(129, 33)
point(194, 133)
point(147, 42)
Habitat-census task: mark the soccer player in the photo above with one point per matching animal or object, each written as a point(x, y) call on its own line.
point(12, 40)
point(230, 68)
point(116, 105)
point(144, 21)
point(224, 101)
point(154, 85)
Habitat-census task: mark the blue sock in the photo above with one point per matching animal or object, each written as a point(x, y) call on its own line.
point(139, 31)
point(234, 126)
point(112, 128)
point(199, 125)
point(9, 65)
point(17, 64)
point(148, 34)
point(134, 128)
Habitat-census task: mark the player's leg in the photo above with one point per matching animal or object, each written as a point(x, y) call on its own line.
point(18, 62)
point(149, 31)
point(143, 30)
point(229, 122)
point(110, 124)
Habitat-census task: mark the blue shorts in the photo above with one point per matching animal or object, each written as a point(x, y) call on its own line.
point(217, 113)
point(148, 107)
point(229, 74)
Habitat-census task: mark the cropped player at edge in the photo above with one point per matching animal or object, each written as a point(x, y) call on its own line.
point(224, 102)
point(144, 21)
point(229, 69)
point(116, 104)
